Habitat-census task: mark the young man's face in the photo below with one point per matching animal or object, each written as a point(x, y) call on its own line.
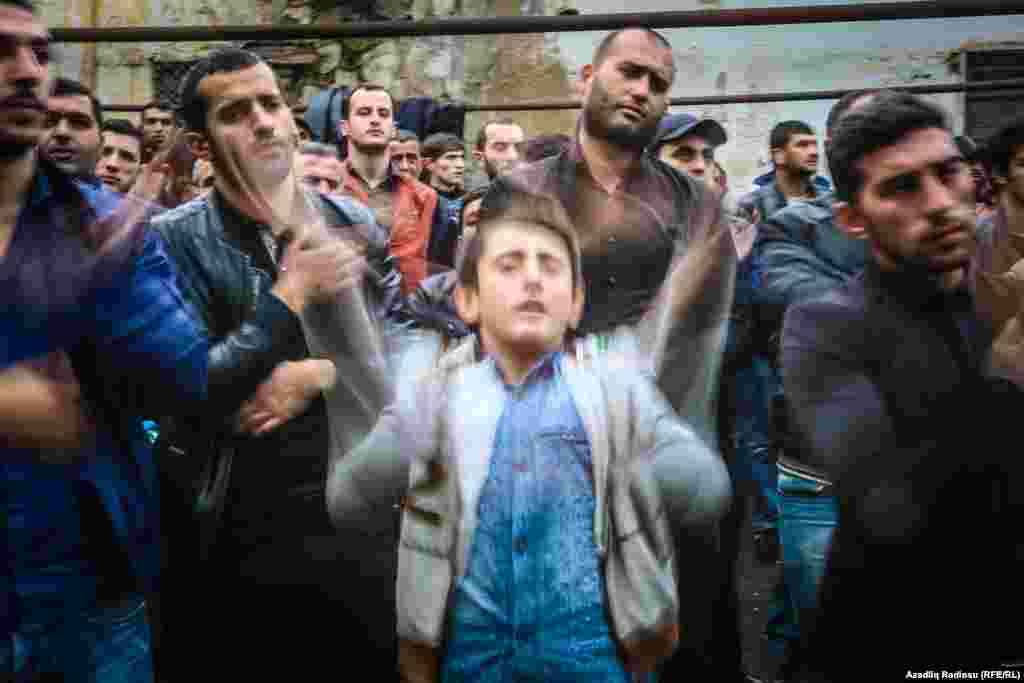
point(800, 155)
point(371, 120)
point(249, 127)
point(916, 206)
point(73, 140)
point(626, 95)
point(690, 154)
point(405, 158)
point(501, 151)
point(526, 301)
point(119, 165)
point(24, 78)
point(322, 173)
point(1013, 183)
point(447, 171)
point(157, 126)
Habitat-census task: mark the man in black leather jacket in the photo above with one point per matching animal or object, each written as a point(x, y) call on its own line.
point(275, 570)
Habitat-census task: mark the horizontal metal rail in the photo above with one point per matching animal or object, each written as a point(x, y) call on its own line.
point(765, 16)
point(750, 98)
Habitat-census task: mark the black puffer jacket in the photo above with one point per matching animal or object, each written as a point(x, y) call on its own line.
point(432, 306)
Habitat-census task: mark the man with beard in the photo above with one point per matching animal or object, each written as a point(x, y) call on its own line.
point(410, 212)
point(157, 128)
point(634, 214)
point(888, 388)
point(120, 155)
point(498, 146)
point(271, 545)
point(74, 118)
point(794, 150)
point(688, 144)
point(405, 154)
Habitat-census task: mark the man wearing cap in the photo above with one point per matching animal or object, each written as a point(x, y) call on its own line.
point(688, 144)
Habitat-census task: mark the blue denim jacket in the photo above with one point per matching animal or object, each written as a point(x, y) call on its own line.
point(123, 323)
point(531, 604)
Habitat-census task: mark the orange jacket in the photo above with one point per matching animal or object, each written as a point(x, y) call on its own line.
point(412, 217)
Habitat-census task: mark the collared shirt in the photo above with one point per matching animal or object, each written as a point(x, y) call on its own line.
point(531, 605)
point(381, 198)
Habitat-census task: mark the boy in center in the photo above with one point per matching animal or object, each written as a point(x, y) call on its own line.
point(543, 474)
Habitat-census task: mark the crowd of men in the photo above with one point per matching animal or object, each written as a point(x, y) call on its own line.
point(410, 430)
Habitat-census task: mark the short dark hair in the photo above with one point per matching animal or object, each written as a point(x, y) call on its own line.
point(481, 135)
point(1003, 145)
point(526, 207)
point(346, 102)
point(783, 132)
point(609, 40)
point(544, 146)
point(439, 144)
point(153, 104)
point(844, 105)
point(26, 5)
point(884, 121)
point(403, 135)
point(320, 149)
point(68, 87)
point(192, 109)
point(122, 127)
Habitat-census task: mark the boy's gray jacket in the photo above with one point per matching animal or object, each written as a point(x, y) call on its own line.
point(651, 473)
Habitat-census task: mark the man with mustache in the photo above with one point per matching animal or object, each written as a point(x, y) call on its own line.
point(635, 214)
point(157, 128)
point(498, 146)
point(888, 389)
point(275, 568)
point(794, 150)
point(74, 119)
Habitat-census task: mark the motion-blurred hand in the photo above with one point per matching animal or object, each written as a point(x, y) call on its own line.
point(284, 395)
point(41, 411)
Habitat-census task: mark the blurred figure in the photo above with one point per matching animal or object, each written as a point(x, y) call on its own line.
point(158, 128)
point(544, 146)
point(321, 169)
point(120, 155)
point(261, 246)
point(519, 586)
point(984, 193)
point(688, 144)
point(1004, 152)
point(498, 146)
point(74, 118)
point(203, 176)
point(405, 154)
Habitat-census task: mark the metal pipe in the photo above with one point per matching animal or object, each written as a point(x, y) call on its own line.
point(750, 98)
point(764, 16)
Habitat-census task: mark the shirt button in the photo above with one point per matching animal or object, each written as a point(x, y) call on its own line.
point(520, 545)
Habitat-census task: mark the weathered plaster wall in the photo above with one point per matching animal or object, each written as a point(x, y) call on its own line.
point(501, 69)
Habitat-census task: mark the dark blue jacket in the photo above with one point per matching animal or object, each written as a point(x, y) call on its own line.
point(107, 297)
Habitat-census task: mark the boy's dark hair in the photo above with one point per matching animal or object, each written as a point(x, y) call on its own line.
point(471, 196)
point(193, 108)
point(481, 135)
point(1003, 145)
point(320, 149)
point(440, 144)
point(346, 103)
point(544, 146)
point(606, 45)
point(783, 132)
point(526, 207)
point(122, 127)
point(884, 121)
point(68, 87)
point(403, 135)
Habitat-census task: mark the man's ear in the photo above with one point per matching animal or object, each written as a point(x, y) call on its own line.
point(778, 157)
point(343, 127)
point(198, 145)
point(478, 155)
point(850, 220)
point(467, 303)
point(579, 301)
point(586, 73)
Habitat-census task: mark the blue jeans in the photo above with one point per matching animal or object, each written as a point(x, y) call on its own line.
point(756, 385)
point(101, 645)
point(807, 521)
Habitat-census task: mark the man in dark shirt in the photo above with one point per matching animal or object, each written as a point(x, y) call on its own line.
point(888, 385)
point(635, 214)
